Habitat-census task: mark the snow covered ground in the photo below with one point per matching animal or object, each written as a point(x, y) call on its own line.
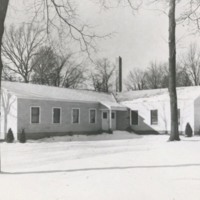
point(107, 167)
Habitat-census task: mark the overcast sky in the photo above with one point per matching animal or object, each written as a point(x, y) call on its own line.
point(138, 39)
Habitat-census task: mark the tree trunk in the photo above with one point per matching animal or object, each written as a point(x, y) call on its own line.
point(3, 11)
point(174, 134)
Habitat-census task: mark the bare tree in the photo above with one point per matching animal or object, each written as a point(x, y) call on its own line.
point(174, 134)
point(74, 76)
point(136, 80)
point(190, 15)
point(3, 11)
point(7, 75)
point(165, 75)
point(102, 75)
point(183, 77)
point(61, 16)
point(45, 66)
point(191, 63)
point(19, 48)
point(133, 4)
point(154, 76)
point(57, 70)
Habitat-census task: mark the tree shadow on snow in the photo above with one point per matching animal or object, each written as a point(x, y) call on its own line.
point(189, 140)
point(103, 169)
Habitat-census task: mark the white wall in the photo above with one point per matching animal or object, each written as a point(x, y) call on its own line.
point(187, 114)
point(144, 110)
point(8, 114)
point(163, 107)
point(197, 116)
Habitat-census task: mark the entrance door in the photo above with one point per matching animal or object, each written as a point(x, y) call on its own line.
point(105, 121)
point(113, 120)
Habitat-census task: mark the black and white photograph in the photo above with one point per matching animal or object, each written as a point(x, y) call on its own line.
point(99, 99)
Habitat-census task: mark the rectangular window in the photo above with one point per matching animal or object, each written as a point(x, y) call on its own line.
point(75, 116)
point(105, 115)
point(134, 117)
point(179, 116)
point(35, 115)
point(113, 115)
point(92, 116)
point(154, 117)
point(56, 115)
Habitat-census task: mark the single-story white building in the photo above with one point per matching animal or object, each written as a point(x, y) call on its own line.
point(45, 111)
point(149, 110)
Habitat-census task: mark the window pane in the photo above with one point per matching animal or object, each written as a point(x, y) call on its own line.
point(75, 116)
point(35, 115)
point(113, 115)
point(154, 116)
point(56, 115)
point(134, 117)
point(92, 116)
point(105, 115)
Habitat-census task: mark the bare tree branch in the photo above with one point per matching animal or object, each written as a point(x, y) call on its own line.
point(19, 47)
point(136, 80)
point(57, 70)
point(102, 75)
point(191, 62)
point(62, 16)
